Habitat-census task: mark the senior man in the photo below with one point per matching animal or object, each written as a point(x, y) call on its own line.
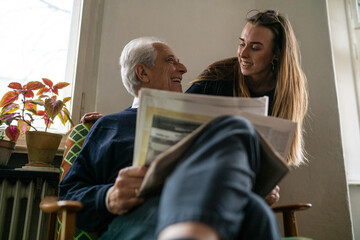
point(208, 195)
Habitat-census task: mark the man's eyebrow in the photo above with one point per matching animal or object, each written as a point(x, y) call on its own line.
point(251, 42)
point(172, 56)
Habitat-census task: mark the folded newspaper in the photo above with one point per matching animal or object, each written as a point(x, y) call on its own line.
point(168, 122)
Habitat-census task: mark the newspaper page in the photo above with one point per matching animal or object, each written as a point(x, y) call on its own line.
point(167, 122)
point(180, 114)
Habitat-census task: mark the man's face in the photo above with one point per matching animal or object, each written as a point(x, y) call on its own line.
point(167, 71)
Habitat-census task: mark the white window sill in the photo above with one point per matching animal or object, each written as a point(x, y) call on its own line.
point(354, 182)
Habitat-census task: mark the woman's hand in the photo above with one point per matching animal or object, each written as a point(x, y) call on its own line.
point(90, 117)
point(123, 195)
point(273, 197)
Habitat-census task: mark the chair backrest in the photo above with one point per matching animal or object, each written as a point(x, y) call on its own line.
point(74, 142)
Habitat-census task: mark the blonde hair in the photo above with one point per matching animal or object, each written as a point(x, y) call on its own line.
point(291, 95)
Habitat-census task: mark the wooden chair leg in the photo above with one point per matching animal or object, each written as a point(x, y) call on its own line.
point(289, 219)
point(68, 225)
point(290, 227)
point(68, 209)
point(51, 229)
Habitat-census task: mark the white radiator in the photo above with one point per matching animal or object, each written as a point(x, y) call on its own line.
point(20, 215)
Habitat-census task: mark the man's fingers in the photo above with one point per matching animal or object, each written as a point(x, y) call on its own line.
point(133, 171)
point(128, 205)
point(90, 117)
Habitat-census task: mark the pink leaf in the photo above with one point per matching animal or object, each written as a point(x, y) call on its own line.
point(12, 132)
point(15, 85)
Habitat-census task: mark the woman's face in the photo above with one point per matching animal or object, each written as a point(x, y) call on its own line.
point(255, 52)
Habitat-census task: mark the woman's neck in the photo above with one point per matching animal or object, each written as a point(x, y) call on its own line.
point(261, 85)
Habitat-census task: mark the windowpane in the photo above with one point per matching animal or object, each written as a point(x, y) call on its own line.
point(34, 40)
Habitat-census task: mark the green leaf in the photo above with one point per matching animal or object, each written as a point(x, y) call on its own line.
point(63, 117)
point(32, 110)
point(65, 100)
point(38, 102)
point(30, 116)
point(10, 108)
point(53, 107)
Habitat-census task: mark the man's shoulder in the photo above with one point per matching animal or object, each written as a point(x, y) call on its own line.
point(114, 122)
point(114, 118)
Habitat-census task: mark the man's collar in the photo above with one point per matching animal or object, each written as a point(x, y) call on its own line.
point(135, 102)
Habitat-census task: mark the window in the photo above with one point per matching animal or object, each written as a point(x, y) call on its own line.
point(353, 165)
point(34, 43)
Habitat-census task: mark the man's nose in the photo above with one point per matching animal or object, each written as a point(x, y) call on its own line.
point(181, 68)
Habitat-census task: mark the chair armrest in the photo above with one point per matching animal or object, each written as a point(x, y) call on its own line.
point(68, 209)
point(51, 204)
point(291, 207)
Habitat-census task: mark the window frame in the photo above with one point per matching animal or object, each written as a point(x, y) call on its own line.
point(83, 54)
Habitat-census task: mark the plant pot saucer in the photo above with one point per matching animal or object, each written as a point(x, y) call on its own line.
point(38, 169)
point(39, 165)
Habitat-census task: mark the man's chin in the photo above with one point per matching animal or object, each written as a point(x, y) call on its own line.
point(176, 89)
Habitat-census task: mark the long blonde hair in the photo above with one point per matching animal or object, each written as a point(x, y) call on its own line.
point(291, 94)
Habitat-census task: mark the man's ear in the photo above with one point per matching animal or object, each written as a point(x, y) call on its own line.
point(141, 73)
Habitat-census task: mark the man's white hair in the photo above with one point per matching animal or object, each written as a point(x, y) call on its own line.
point(137, 51)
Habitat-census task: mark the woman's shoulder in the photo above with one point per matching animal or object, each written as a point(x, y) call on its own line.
point(224, 63)
point(223, 70)
point(219, 87)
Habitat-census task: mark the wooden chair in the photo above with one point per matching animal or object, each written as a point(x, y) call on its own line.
point(68, 209)
point(50, 204)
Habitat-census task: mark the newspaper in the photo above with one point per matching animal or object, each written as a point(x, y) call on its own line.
point(168, 122)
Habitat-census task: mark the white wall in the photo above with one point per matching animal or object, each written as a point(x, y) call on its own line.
point(202, 31)
point(194, 29)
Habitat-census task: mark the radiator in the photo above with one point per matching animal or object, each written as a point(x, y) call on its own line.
point(20, 195)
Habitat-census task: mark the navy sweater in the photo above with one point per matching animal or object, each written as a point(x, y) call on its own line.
point(108, 148)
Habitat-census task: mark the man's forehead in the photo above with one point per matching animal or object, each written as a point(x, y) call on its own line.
point(163, 49)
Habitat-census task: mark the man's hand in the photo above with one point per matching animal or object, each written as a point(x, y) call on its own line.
point(90, 117)
point(122, 196)
point(273, 197)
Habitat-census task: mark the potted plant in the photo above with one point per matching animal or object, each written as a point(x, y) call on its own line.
point(23, 106)
point(8, 145)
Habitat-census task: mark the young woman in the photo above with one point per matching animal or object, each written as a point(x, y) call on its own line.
point(267, 64)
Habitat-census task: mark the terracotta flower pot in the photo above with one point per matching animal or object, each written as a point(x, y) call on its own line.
point(42, 146)
point(6, 148)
